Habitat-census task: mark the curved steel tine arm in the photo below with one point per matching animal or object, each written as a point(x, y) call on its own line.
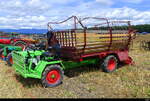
point(76, 21)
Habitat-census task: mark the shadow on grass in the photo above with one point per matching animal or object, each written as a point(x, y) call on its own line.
point(87, 69)
point(28, 82)
point(79, 70)
point(31, 82)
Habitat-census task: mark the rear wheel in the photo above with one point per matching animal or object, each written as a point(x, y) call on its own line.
point(52, 76)
point(9, 59)
point(110, 64)
point(22, 44)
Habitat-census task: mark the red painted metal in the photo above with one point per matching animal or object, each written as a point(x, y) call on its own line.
point(75, 19)
point(123, 55)
point(75, 39)
point(11, 40)
point(68, 39)
point(129, 61)
point(111, 64)
point(110, 30)
point(63, 39)
point(2, 56)
point(84, 41)
point(72, 41)
point(11, 60)
point(5, 40)
point(81, 59)
point(130, 38)
point(53, 76)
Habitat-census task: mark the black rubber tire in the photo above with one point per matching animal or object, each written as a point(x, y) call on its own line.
point(45, 83)
point(1, 52)
point(9, 56)
point(21, 43)
point(105, 63)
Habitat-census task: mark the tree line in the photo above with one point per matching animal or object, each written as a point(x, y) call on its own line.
point(142, 28)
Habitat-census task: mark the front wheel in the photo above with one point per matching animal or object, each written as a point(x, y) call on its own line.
point(110, 64)
point(52, 76)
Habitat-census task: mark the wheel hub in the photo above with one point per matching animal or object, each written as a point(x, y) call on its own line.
point(53, 76)
point(11, 60)
point(2, 56)
point(111, 64)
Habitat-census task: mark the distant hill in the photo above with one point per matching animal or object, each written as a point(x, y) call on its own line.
point(26, 31)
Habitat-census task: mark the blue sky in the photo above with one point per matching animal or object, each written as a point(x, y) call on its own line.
point(36, 13)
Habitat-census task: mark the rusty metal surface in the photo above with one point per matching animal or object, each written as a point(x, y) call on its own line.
point(76, 42)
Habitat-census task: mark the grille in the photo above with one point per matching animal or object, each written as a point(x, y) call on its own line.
point(19, 61)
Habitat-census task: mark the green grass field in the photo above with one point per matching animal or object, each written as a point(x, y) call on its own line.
point(86, 82)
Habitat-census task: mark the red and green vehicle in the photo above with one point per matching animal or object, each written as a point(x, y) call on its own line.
point(103, 42)
point(9, 44)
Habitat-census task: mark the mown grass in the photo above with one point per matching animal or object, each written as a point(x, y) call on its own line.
point(86, 82)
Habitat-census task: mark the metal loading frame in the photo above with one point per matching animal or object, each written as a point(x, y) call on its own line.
point(68, 38)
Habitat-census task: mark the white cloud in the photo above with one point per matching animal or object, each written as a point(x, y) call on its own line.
point(36, 13)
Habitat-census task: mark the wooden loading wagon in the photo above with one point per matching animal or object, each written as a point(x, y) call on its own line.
point(100, 37)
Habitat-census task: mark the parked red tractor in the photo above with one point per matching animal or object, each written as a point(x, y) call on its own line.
point(9, 44)
point(16, 41)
